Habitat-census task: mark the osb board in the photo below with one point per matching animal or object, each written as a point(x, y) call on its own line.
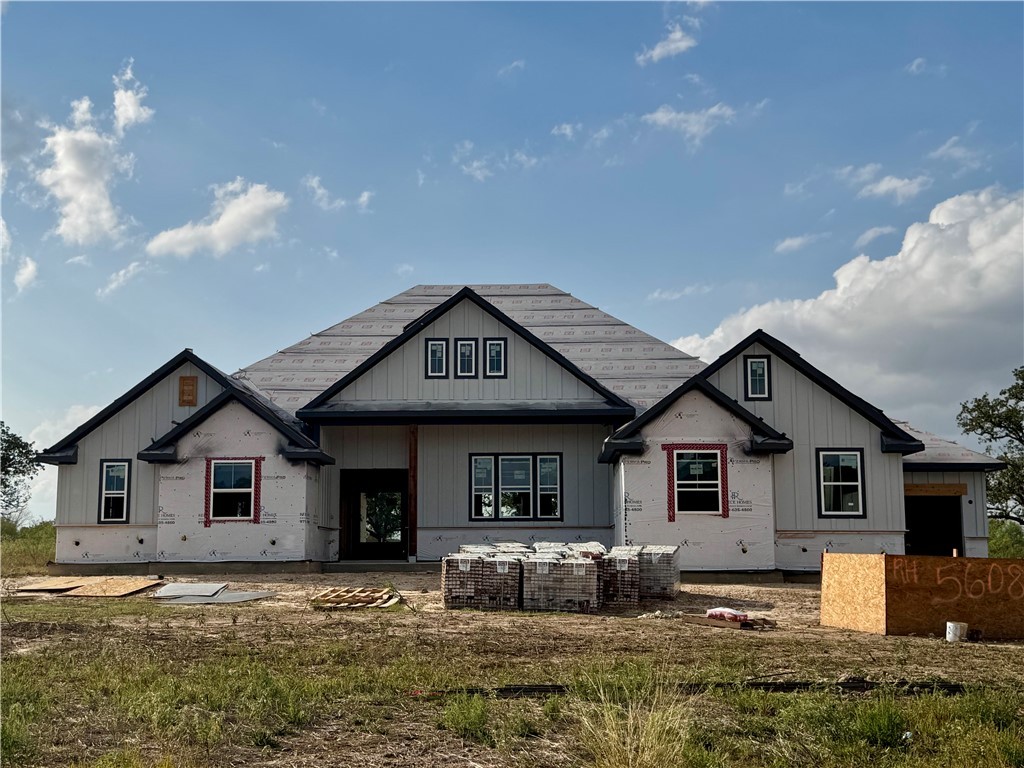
point(60, 583)
point(853, 592)
point(115, 586)
point(923, 593)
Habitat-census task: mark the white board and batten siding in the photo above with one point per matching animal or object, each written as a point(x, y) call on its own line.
point(284, 529)
point(532, 375)
point(973, 505)
point(742, 541)
point(443, 497)
point(122, 436)
point(813, 418)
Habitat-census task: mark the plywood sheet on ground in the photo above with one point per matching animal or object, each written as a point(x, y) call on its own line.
point(853, 592)
point(224, 596)
point(60, 583)
point(181, 589)
point(114, 586)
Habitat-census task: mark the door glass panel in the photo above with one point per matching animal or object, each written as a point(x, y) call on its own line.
point(380, 517)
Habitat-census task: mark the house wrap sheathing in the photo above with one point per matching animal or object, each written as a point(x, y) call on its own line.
point(452, 415)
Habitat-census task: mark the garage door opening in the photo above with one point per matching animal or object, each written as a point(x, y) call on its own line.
point(934, 525)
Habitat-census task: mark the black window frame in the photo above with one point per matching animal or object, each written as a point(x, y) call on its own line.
point(486, 362)
point(767, 396)
point(457, 358)
point(820, 489)
point(127, 491)
point(426, 358)
point(534, 516)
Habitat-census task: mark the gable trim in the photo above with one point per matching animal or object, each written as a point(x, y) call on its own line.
point(58, 452)
point(300, 447)
point(894, 439)
point(309, 410)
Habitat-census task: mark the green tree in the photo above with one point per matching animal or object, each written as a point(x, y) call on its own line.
point(999, 423)
point(17, 457)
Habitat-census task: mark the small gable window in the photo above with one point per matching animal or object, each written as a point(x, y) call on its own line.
point(437, 358)
point(757, 382)
point(465, 358)
point(114, 479)
point(841, 483)
point(496, 358)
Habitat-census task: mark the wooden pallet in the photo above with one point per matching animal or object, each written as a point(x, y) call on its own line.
point(340, 598)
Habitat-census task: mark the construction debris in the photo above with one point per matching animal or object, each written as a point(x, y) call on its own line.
point(690, 618)
point(114, 586)
point(59, 583)
point(190, 589)
point(223, 596)
point(341, 598)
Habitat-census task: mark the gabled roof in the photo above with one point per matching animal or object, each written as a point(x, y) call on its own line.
point(627, 361)
point(319, 406)
point(765, 438)
point(894, 438)
point(942, 455)
point(300, 447)
point(65, 451)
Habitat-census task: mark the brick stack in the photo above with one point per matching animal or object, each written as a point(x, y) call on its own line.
point(462, 580)
point(500, 583)
point(568, 584)
point(659, 572)
point(620, 581)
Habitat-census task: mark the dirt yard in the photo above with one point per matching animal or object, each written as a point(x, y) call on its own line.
point(276, 683)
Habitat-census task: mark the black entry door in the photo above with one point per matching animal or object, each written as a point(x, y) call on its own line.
point(934, 525)
point(375, 514)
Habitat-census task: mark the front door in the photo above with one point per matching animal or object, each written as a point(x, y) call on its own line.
point(375, 514)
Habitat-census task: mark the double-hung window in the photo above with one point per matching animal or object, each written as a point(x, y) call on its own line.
point(516, 487)
point(757, 377)
point(841, 482)
point(231, 490)
point(495, 358)
point(437, 358)
point(698, 482)
point(465, 358)
point(114, 487)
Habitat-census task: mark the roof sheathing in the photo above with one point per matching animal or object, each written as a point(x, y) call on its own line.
point(941, 454)
point(631, 363)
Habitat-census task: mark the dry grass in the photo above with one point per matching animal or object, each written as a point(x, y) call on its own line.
point(26, 552)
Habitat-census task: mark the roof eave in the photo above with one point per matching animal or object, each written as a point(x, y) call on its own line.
point(68, 455)
point(897, 445)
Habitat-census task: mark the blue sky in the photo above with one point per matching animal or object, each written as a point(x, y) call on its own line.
point(697, 170)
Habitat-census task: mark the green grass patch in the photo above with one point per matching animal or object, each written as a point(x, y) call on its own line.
point(26, 551)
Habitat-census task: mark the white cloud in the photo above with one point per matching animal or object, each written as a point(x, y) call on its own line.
point(242, 213)
point(363, 201)
point(5, 241)
point(27, 273)
point(261, 267)
point(120, 279)
point(856, 176)
point(899, 189)
point(81, 261)
point(318, 106)
point(920, 66)
point(672, 295)
point(421, 178)
point(872, 234)
point(674, 43)
point(694, 126)
point(321, 197)
point(128, 96)
point(83, 166)
point(404, 270)
point(516, 66)
point(43, 503)
point(797, 188)
point(791, 244)
point(966, 158)
point(567, 130)
point(478, 169)
point(599, 137)
point(524, 160)
point(462, 150)
point(920, 331)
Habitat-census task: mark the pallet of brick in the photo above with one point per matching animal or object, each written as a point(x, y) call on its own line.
point(555, 549)
point(569, 584)
point(462, 580)
point(659, 573)
point(500, 584)
point(620, 581)
point(592, 549)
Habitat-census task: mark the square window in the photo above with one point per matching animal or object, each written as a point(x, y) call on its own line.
point(841, 483)
point(231, 490)
point(698, 481)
